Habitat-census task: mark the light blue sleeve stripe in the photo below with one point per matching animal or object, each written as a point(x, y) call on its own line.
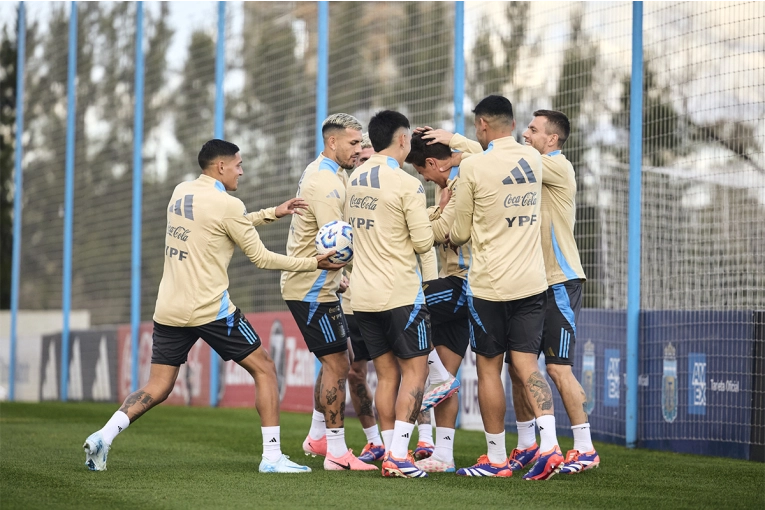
point(562, 262)
point(564, 304)
point(224, 302)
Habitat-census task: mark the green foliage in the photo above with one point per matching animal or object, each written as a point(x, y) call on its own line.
point(8, 55)
point(178, 457)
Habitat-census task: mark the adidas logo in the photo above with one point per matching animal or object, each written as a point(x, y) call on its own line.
point(406, 434)
point(447, 438)
point(334, 431)
point(273, 440)
point(492, 442)
point(334, 194)
point(430, 362)
point(119, 429)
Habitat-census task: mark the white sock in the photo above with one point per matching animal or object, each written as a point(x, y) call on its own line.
point(402, 433)
point(116, 424)
point(387, 437)
point(336, 442)
point(444, 450)
point(548, 437)
point(582, 438)
point(373, 435)
point(527, 434)
point(495, 444)
point(437, 372)
point(425, 431)
point(272, 448)
point(318, 427)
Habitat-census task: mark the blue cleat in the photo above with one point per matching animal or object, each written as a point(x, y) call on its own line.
point(519, 459)
point(423, 450)
point(547, 466)
point(577, 461)
point(372, 452)
point(283, 465)
point(485, 468)
point(436, 394)
point(96, 451)
point(402, 468)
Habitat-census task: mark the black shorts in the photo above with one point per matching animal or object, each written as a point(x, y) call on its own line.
point(498, 327)
point(404, 330)
point(232, 337)
point(564, 300)
point(360, 352)
point(447, 303)
point(322, 326)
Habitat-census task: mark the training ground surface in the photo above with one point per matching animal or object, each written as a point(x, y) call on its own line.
point(191, 458)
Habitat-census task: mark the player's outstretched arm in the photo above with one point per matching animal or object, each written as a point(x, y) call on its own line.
point(271, 214)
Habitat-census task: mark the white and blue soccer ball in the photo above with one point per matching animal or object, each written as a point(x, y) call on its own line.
point(336, 235)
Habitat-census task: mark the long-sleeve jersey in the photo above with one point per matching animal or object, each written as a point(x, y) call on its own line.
point(387, 209)
point(203, 225)
point(322, 185)
point(452, 264)
point(561, 254)
point(498, 209)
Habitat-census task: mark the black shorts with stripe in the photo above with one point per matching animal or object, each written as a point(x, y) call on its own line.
point(498, 327)
point(232, 337)
point(404, 330)
point(322, 325)
point(447, 302)
point(564, 300)
point(360, 352)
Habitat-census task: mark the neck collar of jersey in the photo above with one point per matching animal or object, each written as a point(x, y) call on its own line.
point(553, 153)
point(215, 182)
point(454, 173)
point(328, 164)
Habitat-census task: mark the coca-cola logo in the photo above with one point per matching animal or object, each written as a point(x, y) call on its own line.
point(529, 198)
point(366, 202)
point(178, 232)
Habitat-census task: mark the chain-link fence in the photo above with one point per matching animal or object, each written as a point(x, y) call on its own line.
point(703, 201)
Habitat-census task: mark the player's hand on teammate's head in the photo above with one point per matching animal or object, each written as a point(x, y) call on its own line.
point(437, 136)
point(291, 206)
point(423, 129)
point(324, 263)
point(446, 195)
point(344, 282)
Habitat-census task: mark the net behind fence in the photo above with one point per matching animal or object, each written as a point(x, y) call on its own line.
point(703, 176)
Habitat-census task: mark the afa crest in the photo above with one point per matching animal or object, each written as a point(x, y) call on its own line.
point(588, 376)
point(669, 384)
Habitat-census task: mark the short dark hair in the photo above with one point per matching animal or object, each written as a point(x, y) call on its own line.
point(557, 123)
point(383, 126)
point(213, 149)
point(421, 151)
point(495, 106)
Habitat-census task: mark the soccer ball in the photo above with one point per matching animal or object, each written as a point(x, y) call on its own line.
point(336, 235)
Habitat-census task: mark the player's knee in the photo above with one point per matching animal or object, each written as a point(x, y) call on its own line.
point(558, 373)
point(357, 374)
point(337, 364)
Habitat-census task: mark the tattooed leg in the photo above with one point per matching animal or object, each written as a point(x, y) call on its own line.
point(571, 392)
point(160, 384)
point(334, 373)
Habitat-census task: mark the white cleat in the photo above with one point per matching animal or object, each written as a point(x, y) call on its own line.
point(283, 465)
point(431, 465)
point(96, 451)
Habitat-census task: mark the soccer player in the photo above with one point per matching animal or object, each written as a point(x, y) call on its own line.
point(204, 223)
point(446, 296)
point(547, 133)
point(498, 210)
point(312, 297)
point(387, 209)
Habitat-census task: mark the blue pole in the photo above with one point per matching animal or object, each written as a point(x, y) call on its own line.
point(18, 196)
point(71, 114)
point(135, 280)
point(322, 74)
point(220, 61)
point(633, 260)
point(459, 66)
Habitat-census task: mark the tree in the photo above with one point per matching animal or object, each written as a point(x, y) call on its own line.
point(8, 53)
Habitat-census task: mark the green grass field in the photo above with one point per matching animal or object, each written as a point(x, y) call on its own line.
point(177, 457)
